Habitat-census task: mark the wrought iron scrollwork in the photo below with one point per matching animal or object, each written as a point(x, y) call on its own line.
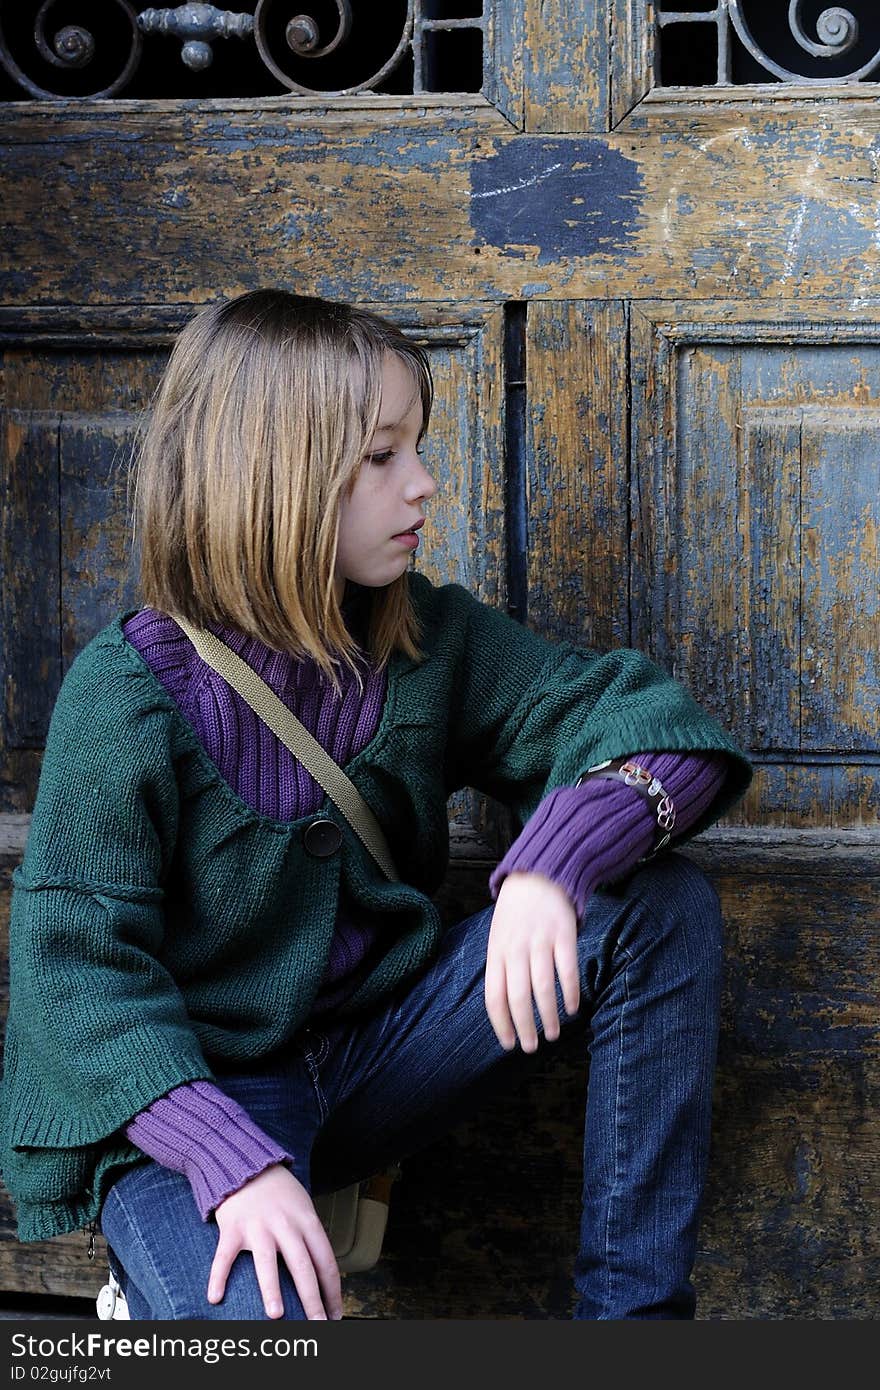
point(72, 47)
point(363, 44)
point(837, 31)
point(302, 38)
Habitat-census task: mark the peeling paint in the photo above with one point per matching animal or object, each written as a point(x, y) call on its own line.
point(589, 198)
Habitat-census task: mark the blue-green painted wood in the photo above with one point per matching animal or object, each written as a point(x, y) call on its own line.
point(30, 667)
point(95, 552)
point(566, 65)
point(503, 83)
point(756, 507)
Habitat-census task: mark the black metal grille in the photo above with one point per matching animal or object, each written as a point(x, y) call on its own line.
point(117, 48)
point(705, 43)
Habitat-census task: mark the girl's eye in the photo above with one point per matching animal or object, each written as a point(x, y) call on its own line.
point(382, 456)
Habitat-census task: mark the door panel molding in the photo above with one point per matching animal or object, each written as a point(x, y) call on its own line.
point(756, 572)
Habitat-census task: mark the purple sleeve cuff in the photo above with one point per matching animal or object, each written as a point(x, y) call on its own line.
point(198, 1131)
point(595, 833)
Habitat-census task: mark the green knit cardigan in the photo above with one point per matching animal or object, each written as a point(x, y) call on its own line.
point(160, 925)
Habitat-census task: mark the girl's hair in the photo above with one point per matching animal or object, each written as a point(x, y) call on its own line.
point(259, 427)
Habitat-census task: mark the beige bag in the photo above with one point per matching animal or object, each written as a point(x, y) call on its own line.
point(355, 1218)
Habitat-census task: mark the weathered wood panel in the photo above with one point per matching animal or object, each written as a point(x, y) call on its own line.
point(577, 500)
point(566, 60)
point(756, 567)
point(65, 559)
point(791, 1227)
point(410, 206)
point(95, 550)
point(483, 1223)
point(30, 593)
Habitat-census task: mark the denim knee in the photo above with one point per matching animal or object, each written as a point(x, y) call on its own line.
point(680, 895)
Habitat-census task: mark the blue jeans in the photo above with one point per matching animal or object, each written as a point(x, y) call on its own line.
point(351, 1097)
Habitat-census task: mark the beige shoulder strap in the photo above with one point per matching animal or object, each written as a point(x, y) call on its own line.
point(295, 736)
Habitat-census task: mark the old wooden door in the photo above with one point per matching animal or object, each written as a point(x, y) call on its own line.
point(641, 244)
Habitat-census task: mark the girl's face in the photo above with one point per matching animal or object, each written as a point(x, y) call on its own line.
point(387, 500)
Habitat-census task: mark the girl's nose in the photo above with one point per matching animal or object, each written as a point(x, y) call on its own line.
point(421, 483)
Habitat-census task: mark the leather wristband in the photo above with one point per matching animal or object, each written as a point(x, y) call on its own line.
point(648, 786)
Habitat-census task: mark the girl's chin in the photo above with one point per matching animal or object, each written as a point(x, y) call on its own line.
point(378, 578)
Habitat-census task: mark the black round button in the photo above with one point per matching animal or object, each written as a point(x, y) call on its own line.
point(322, 838)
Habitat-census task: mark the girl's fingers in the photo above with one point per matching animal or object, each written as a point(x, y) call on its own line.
point(266, 1265)
point(274, 1215)
point(495, 991)
point(544, 991)
point(224, 1258)
point(302, 1265)
point(568, 970)
point(519, 1000)
point(302, 1272)
point(327, 1270)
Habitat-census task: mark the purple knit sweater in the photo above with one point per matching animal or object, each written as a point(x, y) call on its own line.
point(579, 837)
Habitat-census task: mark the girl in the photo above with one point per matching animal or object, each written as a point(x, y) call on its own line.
point(219, 1004)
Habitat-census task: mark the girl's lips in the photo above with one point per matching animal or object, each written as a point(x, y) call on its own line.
point(408, 538)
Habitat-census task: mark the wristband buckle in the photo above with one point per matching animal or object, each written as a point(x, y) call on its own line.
point(649, 787)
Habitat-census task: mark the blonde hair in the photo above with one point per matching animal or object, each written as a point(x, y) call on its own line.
point(263, 416)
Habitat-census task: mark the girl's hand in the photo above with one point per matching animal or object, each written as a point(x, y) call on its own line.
point(532, 940)
point(273, 1214)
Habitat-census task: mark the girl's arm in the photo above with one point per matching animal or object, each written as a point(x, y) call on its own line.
point(581, 837)
point(199, 1131)
point(98, 1027)
point(527, 715)
point(260, 1206)
point(578, 838)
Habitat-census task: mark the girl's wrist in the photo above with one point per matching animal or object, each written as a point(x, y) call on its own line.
point(199, 1131)
point(581, 837)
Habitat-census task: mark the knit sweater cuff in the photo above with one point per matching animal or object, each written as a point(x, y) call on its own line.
point(198, 1131)
point(581, 837)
